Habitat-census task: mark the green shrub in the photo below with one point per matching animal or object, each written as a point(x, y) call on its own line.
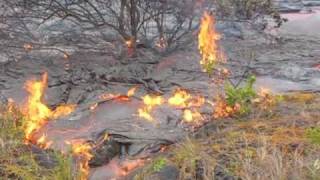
point(241, 95)
point(158, 164)
point(313, 134)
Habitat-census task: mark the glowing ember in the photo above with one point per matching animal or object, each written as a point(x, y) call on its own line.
point(36, 111)
point(208, 47)
point(28, 47)
point(83, 152)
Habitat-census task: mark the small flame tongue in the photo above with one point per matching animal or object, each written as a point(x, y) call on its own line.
point(208, 45)
point(37, 112)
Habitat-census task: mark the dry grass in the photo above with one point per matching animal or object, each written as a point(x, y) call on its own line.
point(262, 147)
point(17, 160)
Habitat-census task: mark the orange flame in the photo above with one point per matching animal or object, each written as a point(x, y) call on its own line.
point(208, 45)
point(191, 116)
point(83, 151)
point(63, 110)
point(180, 98)
point(183, 99)
point(36, 111)
point(149, 103)
point(43, 143)
point(131, 91)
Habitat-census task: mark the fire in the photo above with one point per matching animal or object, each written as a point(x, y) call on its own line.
point(131, 91)
point(180, 98)
point(83, 151)
point(191, 116)
point(149, 103)
point(145, 113)
point(63, 110)
point(43, 143)
point(183, 99)
point(223, 110)
point(37, 112)
point(208, 45)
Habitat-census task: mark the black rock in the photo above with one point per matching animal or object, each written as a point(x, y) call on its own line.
point(105, 152)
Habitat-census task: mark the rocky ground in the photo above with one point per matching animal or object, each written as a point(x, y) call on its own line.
point(288, 64)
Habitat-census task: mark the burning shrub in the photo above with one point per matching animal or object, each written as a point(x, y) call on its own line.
point(241, 96)
point(20, 161)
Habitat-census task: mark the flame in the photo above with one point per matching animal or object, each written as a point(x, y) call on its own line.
point(63, 110)
point(145, 113)
point(36, 111)
point(180, 98)
point(131, 91)
point(149, 103)
point(183, 99)
point(191, 116)
point(208, 45)
point(43, 143)
point(83, 151)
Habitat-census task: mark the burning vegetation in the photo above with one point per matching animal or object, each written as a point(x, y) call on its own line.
point(189, 106)
point(37, 113)
point(208, 43)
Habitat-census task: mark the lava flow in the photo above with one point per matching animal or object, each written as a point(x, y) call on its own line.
point(37, 113)
point(208, 45)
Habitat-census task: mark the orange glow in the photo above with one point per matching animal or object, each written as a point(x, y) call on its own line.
point(129, 166)
point(83, 151)
point(43, 143)
point(208, 45)
point(223, 110)
point(191, 116)
point(63, 110)
point(28, 47)
point(180, 98)
point(149, 103)
point(183, 99)
point(131, 91)
point(36, 111)
point(145, 113)
point(94, 106)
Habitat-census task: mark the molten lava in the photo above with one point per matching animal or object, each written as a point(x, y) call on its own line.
point(37, 113)
point(208, 45)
